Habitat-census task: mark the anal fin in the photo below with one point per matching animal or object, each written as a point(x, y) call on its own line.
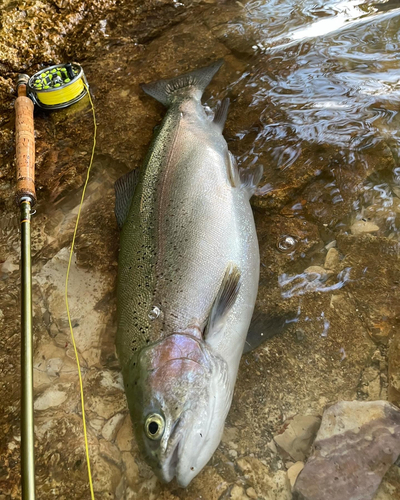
point(124, 190)
point(225, 299)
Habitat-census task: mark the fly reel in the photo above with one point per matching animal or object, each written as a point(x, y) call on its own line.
point(58, 86)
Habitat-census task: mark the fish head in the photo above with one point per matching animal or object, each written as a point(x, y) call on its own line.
point(179, 395)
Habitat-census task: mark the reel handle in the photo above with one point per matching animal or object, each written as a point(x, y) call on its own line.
point(25, 144)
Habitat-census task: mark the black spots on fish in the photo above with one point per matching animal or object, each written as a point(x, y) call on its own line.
point(201, 435)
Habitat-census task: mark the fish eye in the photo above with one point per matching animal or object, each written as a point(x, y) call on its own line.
point(154, 426)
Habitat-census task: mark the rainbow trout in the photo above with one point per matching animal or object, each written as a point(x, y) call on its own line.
point(187, 280)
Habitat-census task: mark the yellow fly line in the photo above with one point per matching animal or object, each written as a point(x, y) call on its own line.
point(66, 296)
point(62, 95)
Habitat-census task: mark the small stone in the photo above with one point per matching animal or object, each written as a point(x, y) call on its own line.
point(314, 273)
point(51, 398)
point(110, 428)
point(243, 465)
point(230, 434)
point(233, 453)
point(294, 471)
point(355, 446)
point(297, 438)
point(271, 445)
point(131, 468)
point(237, 493)
point(330, 245)
point(251, 493)
point(332, 260)
point(362, 226)
point(125, 435)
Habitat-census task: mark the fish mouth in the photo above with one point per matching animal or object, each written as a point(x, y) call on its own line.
point(172, 453)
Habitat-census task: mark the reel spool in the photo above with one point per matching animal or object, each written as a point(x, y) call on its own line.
point(58, 86)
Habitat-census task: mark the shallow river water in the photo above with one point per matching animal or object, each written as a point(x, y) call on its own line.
point(315, 96)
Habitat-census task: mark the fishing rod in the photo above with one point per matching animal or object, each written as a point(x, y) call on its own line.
point(26, 199)
point(55, 87)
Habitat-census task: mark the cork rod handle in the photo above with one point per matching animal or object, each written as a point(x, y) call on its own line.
point(25, 146)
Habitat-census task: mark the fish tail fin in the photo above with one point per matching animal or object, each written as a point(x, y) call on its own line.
point(189, 84)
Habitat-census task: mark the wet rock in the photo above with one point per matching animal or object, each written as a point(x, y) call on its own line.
point(52, 397)
point(394, 370)
point(331, 244)
point(389, 489)
point(294, 471)
point(125, 435)
point(230, 434)
point(362, 226)
point(131, 468)
point(298, 436)
point(109, 451)
point(371, 382)
point(267, 484)
point(251, 493)
point(355, 446)
point(332, 260)
point(111, 427)
point(316, 273)
point(106, 475)
point(237, 493)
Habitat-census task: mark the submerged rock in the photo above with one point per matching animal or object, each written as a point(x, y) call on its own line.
point(362, 226)
point(294, 471)
point(332, 260)
point(355, 446)
point(298, 436)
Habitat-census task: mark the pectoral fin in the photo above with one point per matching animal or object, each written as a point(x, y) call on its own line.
point(224, 300)
point(124, 190)
point(263, 327)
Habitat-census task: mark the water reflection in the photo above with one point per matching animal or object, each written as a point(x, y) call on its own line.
point(310, 281)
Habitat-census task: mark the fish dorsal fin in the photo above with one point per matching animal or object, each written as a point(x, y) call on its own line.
point(124, 190)
point(226, 297)
point(221, 114)
point(189, 83)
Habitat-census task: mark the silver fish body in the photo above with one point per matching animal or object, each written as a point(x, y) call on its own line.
point(187, 281)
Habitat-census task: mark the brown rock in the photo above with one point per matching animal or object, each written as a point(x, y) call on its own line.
point(355, 446)
point(332, 260)
point(294, 471)
point(298, 436)
point(362, 226)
